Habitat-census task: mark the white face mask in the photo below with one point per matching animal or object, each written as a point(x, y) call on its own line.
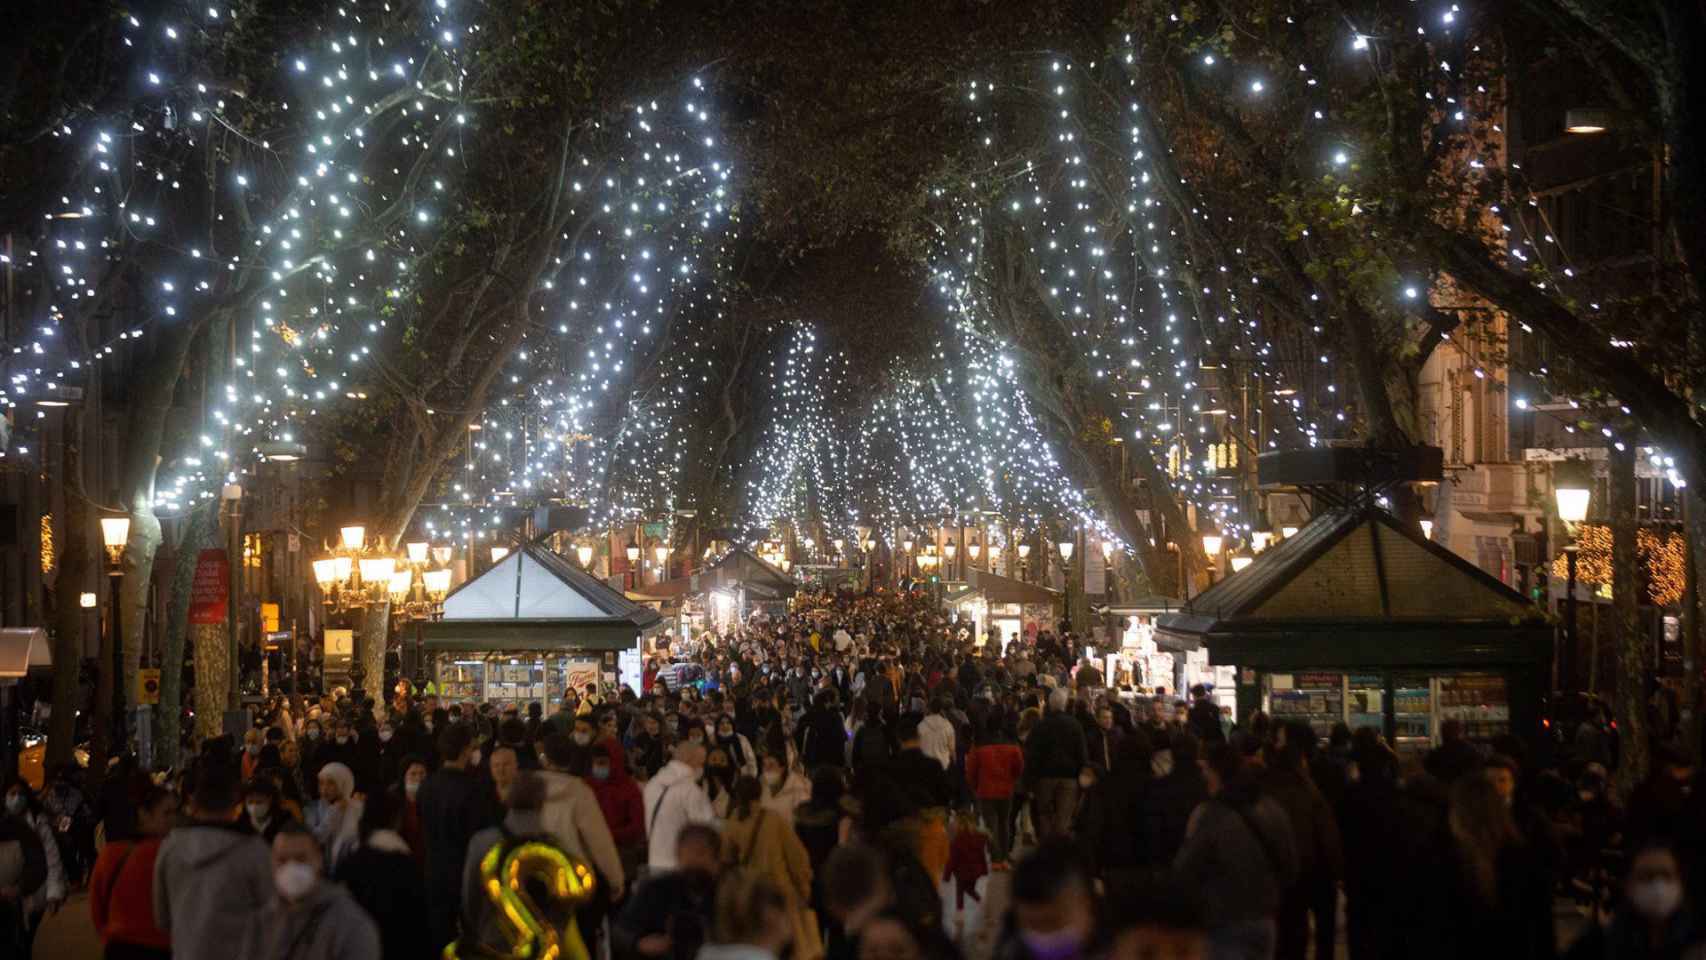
point(384, 736)
point(1656, 899)
point(474, 759)
point(295, 879)
point(411, 787)
point(258, 812)
point(582, 738)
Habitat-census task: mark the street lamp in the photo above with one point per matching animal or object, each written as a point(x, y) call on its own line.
point(418, 553)
point(115, 532)
point(1427, 529)
point(1571, 491)
point(584, 553)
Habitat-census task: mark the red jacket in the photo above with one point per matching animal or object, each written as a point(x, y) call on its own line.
point(994, 769)
point(121, 895)
point(620, 799)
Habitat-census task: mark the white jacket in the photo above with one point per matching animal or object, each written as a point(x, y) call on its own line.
point(673, 799)
point(571, 814)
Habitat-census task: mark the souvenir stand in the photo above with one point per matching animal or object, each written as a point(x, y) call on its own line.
point(996, 604)
point(1359, 619)
point(531, 626)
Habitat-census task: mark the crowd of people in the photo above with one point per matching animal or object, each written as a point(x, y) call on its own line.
point(839, 782)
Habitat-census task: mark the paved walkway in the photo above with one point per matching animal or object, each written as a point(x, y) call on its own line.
point(69, 934)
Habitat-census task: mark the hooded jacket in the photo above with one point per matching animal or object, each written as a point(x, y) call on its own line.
point(210, 880)
point(673, 799)
point(572, 815)
point(327, 925)
point(619, 800)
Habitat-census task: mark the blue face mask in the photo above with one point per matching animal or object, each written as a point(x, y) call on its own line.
point(1055, 945)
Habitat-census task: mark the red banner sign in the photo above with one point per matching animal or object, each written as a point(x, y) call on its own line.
point(212, 582)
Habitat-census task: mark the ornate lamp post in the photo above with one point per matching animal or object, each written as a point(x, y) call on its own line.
point(1571, 491)
point(115, 532)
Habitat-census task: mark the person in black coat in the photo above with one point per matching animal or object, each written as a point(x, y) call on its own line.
point(382, 877)
point(354, 749)
point(1173, 798)
point(454, 804)
point(822, 738)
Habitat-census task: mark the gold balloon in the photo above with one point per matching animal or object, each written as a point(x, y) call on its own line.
point(504, 874)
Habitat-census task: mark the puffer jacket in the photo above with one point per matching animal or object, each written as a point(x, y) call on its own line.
point(571, 814)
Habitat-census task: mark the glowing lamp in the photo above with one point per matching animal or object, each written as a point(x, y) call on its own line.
point(401, 581)
point(376, 570)
point(1288, 532)
point(1107, 550)
point(353, 536)
point(1428, 529)
point(1211, 545)
point(906, 545)
point(325, 572)
point(115, 531)
point(951, 551)
point(437, 583)
point(1241, 561)
point(418, 552)
point(1572, 502)
point(498, 553)
point(975, 550)
point(661, 551)
point(341, 568)
point(441, 555)
point(584, 552)
point(1260, 539)
point(633, 553)
point(1024, 550)
point(87, 601)
point(838, 543)
point(1065, 550)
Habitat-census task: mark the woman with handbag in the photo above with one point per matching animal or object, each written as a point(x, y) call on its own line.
point(761, 840)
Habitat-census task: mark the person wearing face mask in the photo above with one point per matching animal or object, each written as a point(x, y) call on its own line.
point(210, 877)
point(121, 889)
point(393, 747)
point(21, 805)
point(308, 918)
point(1651, 920)
point(311, 743)
point(252, 744)
point(620, 801)
point(784, 789)
point(736, 747)
point(1053, 915)
point(407, 793)
point(262, 814)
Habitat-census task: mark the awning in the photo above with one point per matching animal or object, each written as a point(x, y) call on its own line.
point(999, 589)
point(22, 648)
point(564, 636)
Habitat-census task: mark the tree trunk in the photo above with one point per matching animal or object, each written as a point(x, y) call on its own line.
point(212, 677)
point(375, 632)
point(1632, 668)
point(200, 528)
point(145, 428)
point(77, 567)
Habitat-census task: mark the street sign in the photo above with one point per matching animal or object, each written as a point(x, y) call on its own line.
point(148, 686)
point(207, 592)
point(269, 618)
